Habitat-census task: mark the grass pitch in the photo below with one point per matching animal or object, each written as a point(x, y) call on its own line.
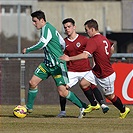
point(43, 120)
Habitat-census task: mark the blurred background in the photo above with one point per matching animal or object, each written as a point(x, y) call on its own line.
point(115, 18)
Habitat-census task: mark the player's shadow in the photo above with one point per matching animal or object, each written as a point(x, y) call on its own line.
point(51, 116)
point(36, 116)
point(6, 115)
point(48, 116)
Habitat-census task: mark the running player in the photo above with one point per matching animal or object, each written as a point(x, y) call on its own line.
point(75, 44)
point(102, 73)
point(50, 41)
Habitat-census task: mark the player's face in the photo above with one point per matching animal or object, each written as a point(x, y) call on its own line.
point(37, 23)
point(89, 31)
point(69, 28)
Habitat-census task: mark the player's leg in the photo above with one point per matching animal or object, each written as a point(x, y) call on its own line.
point(99, 98)
point(93, 103)
point(32, 92)
point(87, 91)
point(61, 82)
point(71, 96)
point(72, 81)
point(108, 88)
point(89, 95)
point(39, 75)
point(62, 106)
point(86, 82)
point(116, 101)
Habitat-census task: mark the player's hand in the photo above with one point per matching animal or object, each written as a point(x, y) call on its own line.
point(65, 57)
point(24, 51)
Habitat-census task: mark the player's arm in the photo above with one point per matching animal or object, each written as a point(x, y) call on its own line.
point(83, 55)
point(41, 44)
point(93, 62)
point(112, 50)
point(38, 46)
point(112, 47)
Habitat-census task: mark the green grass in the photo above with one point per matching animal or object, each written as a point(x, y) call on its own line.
point(43, 120)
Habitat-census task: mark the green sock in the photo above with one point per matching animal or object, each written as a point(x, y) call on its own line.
point(31, 98)
point(74, 99)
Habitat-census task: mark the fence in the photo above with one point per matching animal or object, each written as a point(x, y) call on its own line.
point(17, 69)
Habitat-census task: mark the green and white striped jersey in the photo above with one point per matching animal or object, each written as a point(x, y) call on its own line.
point(52, 43)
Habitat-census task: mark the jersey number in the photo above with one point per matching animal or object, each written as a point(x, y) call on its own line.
point(106, 47)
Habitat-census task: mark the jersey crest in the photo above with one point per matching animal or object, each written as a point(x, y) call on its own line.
point(78, 44)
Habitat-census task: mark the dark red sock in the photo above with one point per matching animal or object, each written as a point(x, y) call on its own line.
point(89, 94)
point(98, 94)
point(118, 104)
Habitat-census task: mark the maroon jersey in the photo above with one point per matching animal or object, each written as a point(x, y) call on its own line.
point(100, 47)
point(75, 47)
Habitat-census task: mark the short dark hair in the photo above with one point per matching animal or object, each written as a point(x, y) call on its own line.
point(91, 24)
point(39, 15)
point(68, 20)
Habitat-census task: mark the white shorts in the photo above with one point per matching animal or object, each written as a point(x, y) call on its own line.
point(105, 84)
point(74, 77)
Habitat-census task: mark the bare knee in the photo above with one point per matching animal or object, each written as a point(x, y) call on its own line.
point(32, 84)
point(62, 91)
point(110, 97)
point(84, 83)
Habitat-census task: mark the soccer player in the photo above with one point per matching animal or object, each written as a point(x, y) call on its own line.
point(102, 73)
point(76, 44)
point(50, 41)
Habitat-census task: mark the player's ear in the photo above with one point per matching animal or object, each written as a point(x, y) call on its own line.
point(42, 20)
point(92, 29)
point(74, 27)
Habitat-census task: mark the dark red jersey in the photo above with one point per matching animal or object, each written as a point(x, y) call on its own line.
point(75, 47)
point(100, 47)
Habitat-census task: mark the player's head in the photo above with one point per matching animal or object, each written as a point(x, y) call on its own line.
point(69, 26)
point(91, 24)
point(91, 27)
point(38, 14)
point(38, 18)
point(68, 20)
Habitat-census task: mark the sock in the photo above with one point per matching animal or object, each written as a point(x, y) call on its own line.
point(62, 103)
point(89, 94)
point(31, 98)
point(98, 95)
point(118, 104)
point(75, 100)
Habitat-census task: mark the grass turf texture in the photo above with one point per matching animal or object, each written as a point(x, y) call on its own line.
point(43, 120)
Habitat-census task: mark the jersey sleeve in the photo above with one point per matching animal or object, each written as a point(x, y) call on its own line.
point(38, 46)
point(45, 38)
point(62, 42)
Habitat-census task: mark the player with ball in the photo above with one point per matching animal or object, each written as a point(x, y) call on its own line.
point(52, 43)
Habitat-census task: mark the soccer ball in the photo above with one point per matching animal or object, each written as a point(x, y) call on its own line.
point(20, 111)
